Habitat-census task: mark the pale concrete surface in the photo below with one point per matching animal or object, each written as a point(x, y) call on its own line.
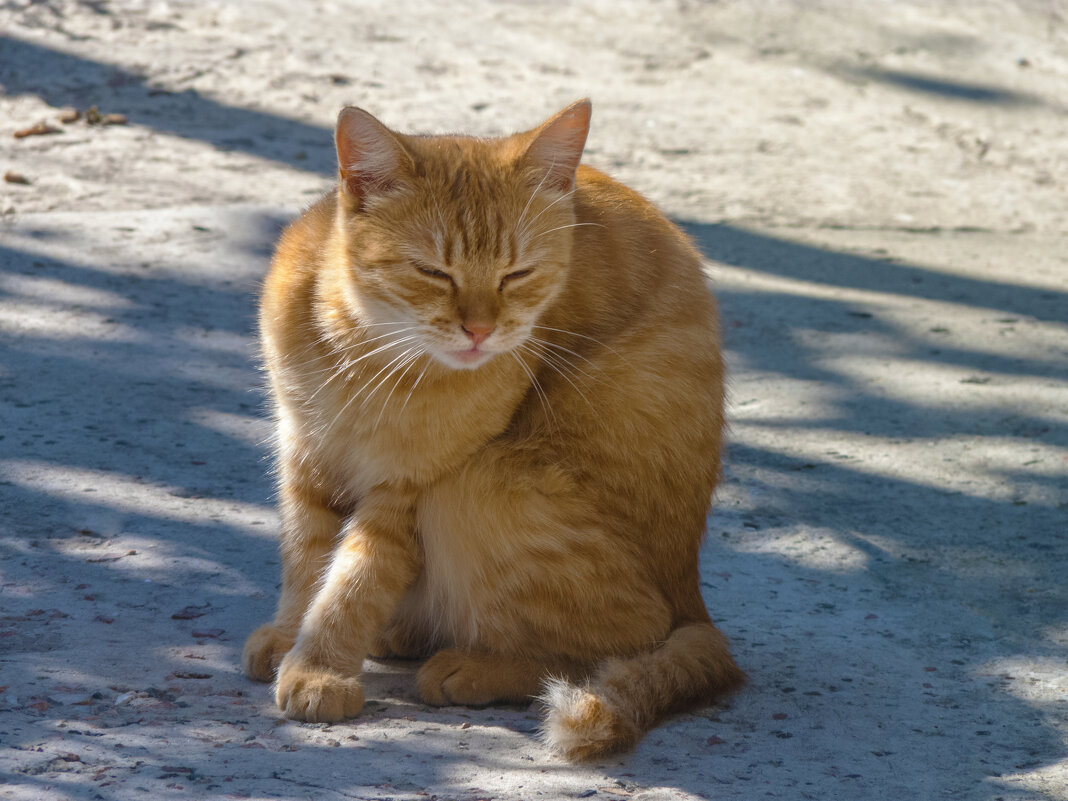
point(880, 191)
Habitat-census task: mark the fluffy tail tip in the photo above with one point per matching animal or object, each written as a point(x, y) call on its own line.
point(580, 725)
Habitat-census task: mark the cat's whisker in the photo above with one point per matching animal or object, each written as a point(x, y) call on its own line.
point(534, 194)
point(558, 360)
point(326, 429)
point(344, 368)
point(575, 334)
point(534, 219)
point(324, 340)
point(534, 383)
point(339, 348)
point(419, 351)
point(383, 336)
point(562, 227)
point(389, 369)
point(548, 359)
point(556, 347)
point(416, 384)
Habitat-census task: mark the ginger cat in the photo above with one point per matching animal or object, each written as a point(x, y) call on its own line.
point(499, 397)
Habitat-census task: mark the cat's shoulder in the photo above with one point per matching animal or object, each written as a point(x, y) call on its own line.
point(312, 225)
point(301, 241)
point(600, 191)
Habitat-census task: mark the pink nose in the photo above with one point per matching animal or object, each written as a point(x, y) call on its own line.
point(477, 332)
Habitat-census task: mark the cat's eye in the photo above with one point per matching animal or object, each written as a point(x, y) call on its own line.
point(515, 275)
point(433, 272)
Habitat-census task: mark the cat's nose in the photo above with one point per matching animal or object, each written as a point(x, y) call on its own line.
point(477, 332)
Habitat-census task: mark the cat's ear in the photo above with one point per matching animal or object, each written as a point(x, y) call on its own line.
point(370, 157)
point(557, 146)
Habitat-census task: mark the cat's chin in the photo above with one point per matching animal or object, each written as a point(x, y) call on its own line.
point(470, 359)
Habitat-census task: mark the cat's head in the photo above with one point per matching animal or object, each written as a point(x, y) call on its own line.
point(456, 242)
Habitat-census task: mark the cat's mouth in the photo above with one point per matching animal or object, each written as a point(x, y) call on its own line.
point(469, 358)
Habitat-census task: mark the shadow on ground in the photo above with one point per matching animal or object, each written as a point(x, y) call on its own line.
point(131, 408)
point(69, 80)
point(129, 389)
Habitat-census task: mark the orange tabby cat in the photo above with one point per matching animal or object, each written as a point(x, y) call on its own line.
point(499, 398)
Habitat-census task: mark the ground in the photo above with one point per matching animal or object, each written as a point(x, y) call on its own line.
point(879, 189)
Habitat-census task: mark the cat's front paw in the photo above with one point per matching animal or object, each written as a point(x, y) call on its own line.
point(264, 650)
point(316, 694)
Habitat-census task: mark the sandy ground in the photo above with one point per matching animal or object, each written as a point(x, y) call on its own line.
point(880, 190)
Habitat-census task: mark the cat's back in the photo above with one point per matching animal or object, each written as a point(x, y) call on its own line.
point(633, 265)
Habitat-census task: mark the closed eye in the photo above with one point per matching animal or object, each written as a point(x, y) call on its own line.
point(514, 276)
point(433, 272)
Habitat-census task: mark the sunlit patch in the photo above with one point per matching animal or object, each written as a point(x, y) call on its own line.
point(154, 559)
point(1039, 781)
point(990, 468)
point(216, 340)
point(256, 431)
point(1042, 683)
point(209, 371)
point(817, 549)
point(129, 495)
point(49, 322)
point(775, 398)
point(1038, 680)
point(61, 293)
point(934, 384)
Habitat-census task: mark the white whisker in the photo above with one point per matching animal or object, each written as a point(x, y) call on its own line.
point(534, 383)
point(534, 194)
point(574, 334)
point(546, 357)
point(344, 368)
point(341, 367)
point(562, 227)
point(546, 343)
point(385, 404)
point(534, 219)
point(388, 374)
point(416, 384)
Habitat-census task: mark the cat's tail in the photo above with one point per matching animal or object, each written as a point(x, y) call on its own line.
point(625, 697)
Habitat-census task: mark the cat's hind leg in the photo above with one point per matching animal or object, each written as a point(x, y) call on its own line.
point(478, 678)
point(410, 634)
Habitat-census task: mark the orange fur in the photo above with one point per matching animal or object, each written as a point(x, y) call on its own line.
point(499, 395)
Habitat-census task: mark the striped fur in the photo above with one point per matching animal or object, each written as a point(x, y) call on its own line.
point(499, 399)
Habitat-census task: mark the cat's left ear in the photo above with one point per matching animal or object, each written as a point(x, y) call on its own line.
point(370, 157)
point(558, 143)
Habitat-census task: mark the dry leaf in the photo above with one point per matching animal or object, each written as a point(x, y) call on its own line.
point(39, 129)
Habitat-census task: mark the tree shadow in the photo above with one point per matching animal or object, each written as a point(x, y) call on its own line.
point(125, 390)
point(735, 246)
point(942, 568)
point(63, 79)
point(942, 87)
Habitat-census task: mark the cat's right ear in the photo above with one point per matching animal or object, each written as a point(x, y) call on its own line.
point(558, 143)
point(371, 159)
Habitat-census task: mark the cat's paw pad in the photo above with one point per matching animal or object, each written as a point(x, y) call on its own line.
point(264, 650)
point(453, 677)
point(316, 694)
